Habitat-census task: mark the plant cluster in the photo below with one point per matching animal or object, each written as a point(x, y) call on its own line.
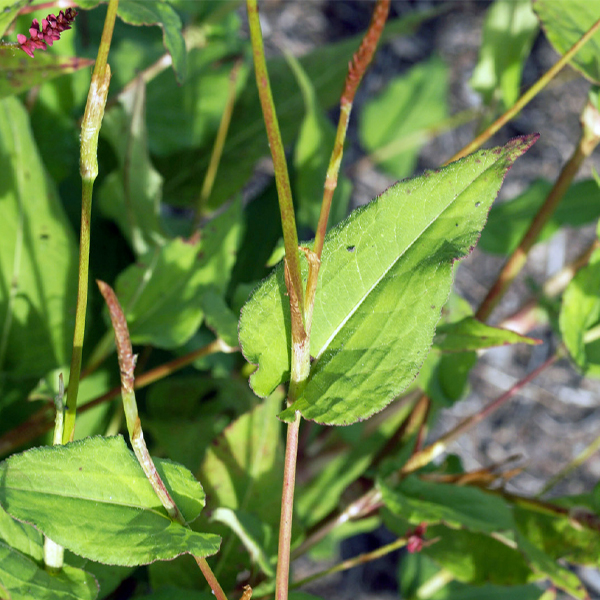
point(283, 392)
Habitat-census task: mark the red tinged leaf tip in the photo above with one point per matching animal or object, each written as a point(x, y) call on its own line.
point(52, 27)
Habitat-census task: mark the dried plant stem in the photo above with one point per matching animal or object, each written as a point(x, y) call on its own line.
point(513, 266)
point(529, 95)
point(127, 366)
point(88, 165)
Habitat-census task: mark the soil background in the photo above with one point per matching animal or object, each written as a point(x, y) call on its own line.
point(557, 416)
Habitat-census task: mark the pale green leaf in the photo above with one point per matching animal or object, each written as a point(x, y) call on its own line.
point(38, 256)
point(565, 23)
point(579, 318)
point(385, 274)
point(255, 535)
point(9, 9)
point(161, 293)
point(23, 579)
point(471, 334)
point(131, 194)
point(93, 498)
point(393, 126)
point(21, 536)
point(508, 33)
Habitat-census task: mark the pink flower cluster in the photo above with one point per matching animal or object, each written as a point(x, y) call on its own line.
point(50, 32)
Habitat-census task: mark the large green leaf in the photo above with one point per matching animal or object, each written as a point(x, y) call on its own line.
point(385, 274)
point(420, 501)
point(93, 498)
point(131, 195)
point(23, 579)
point(21, 536)
point(509, 221)
point(38, 256)
point(508, 33)
point(393, 125)
point(18, 73)
point(161, 13)
point(565, 23)
point(161, 293)
point(579, 318)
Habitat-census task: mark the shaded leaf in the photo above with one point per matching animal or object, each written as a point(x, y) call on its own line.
point(38, 256)
point(161, 13)
point(508, 34)
point(392, 126)
point(580, 317)
point(565, 23)
point(161, 293)
point(131, 195)
point(93, 498)
point(385, 274)
point(23, 579)
point(509, 221)
point(19, 73)
point(419, 501)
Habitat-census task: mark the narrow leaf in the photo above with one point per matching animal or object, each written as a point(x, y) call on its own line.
point(420, 501)
point(385, 274)
point(18, 73)
point(93, 498)
point(471, 334)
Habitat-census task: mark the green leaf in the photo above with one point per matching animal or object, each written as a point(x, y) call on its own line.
point(560, 576)
point(131, 195)
point(38, 256)
point(471, 334)
point(255, 535)
point(445, 377)
point(385, 274)
point(508, 34)
point(19, 73)
point(476, 558)
point(21, 536)
point(242, 469)
point(246, 142)
point(419, 501)
point(311, 159)
point(318, 497)
point(22, 579)
point(509, 221)
point(161, 13)
point(93, 498)
point(161, 293)
point(580, 317)
point(565, 23)
point(170, 592)
point(219, 317)
point(187, 413)
point(9, 10)
point(393, 126)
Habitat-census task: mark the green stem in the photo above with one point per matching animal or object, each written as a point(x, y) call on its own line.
point(282, 180)
point(513, 266)
point(88, 166)
point(529, 95)
point(219, 144)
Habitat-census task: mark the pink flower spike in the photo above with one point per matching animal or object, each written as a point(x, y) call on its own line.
point(50, 31)
point(21, 38)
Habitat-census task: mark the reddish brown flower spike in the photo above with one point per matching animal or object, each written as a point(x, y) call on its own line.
point(52, 27)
